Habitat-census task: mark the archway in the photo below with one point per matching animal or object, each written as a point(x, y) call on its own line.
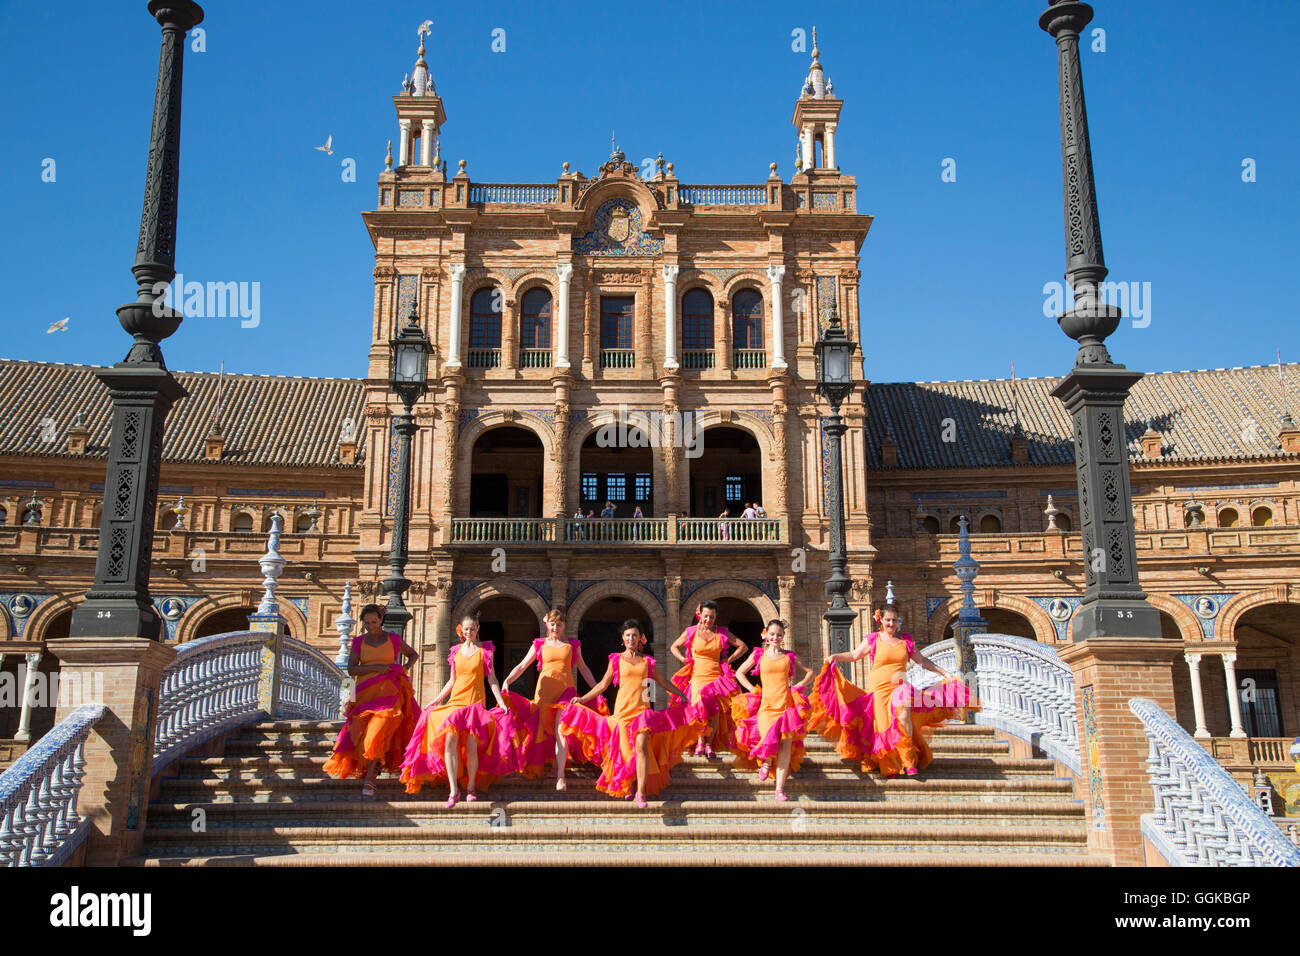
point(729, 473)
point(511, 626)
point(616, 467)
point(1002, 621)
point(1268, 666)
point(228, 620)
point(601, 633)
point(42, 717)
point(742, 619)
point(506, 472)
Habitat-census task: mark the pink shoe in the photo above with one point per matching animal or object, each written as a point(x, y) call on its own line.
point(708, 752)
point(780, 795)
point(471, 797)
point(911, 771)
point(640, 801)
point(699, 750)
point(763, 772)
point(453, 800)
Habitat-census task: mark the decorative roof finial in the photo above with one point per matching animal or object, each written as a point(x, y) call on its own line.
point(815, 85)
point(388, 160)
point(420, 79)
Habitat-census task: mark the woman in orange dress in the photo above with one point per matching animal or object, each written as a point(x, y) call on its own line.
point(882, 726)
point(707, 679)
point(772, 722)
point(635, 743)
point(462, 741)
point(383, 712)
point(538, 741)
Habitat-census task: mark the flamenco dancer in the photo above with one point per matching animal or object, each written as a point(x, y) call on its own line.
point(462, 741)
point(537, 721)
point(772, 722)
point(635, 743)
point(382, 716)
point(880, 726)
point(706, 679)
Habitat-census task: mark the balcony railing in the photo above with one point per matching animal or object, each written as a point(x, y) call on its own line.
point(722, 195)
point(484, 358)
point(530, 194)
point(749, 358)
point(697, 358)
point(617, 358)
point(535, 358)
point(631, 532)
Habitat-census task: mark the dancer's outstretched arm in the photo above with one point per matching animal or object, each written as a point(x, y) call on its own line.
point(927, 664)
point(807, 674)
point(496, 689)
point(599, 688)
point(676, 647)
point(740, 648)
point(584, 670)
point(520, 667)
point(848, 657)
point(659, 679)
point(744, 669)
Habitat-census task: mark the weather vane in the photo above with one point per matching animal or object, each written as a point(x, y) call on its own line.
point(425, 29)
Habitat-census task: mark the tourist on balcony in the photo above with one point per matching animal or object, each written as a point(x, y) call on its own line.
point(724, 529)
point(749, 512)
point(758, 511)
point(772, 722)
point(579, 532)
point(635, 742)
point(884, 726)
point(707, 679)
point(382, 716)
point(538, 741)
point(638, 517)
point(462, 741)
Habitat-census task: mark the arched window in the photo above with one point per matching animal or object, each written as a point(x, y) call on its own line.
point(990, 524)
point(1228, 518)
point(242, 522)
point(954, 526)
point(1063, 522)
point(302, 524)
point(697, 324)
point(747, 320)
point(930, 524)
point(1262, 517)
point(168, 520)
point(485, 319)
point(535, 320)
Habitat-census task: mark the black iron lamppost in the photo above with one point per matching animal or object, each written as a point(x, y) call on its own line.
point(142, 390)
point(409, 379)
point(1095, 390)
point(834, 351)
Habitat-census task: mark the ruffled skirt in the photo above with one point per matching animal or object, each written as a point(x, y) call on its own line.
point(425, 759)
point(710, 699)
point(759, 736)
point(376, 729)
point(534, 731)
point(845, 714)
point(611, 744)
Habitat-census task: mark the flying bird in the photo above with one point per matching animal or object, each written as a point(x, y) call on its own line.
point(59, 326)
point(328, 148)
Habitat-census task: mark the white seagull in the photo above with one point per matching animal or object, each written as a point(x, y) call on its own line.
point(328, 148)
point(59, 326)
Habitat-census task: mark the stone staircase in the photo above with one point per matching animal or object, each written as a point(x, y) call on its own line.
point(268, 802)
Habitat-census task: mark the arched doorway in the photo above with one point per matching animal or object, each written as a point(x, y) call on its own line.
point(227, 621)
point(742, 620)
point(1267, 666)
point(616, 467)
point(506, 470)
point(601, 633)
point(46, 689)
point(728, 475)
point(1001, 621)
point(511, 626)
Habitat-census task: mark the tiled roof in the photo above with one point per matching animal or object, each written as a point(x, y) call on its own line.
point(1201, 416)
point(266, 419)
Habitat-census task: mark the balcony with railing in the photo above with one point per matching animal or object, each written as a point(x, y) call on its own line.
point(749, 358)
point(618, 358)
point(534, 358)
point(620, 532)
point(517, 194)
point(697, 359)
point(484, 358)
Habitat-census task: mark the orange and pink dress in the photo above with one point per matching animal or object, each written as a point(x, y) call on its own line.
point(534, 720)
point(610, 742)
point(771, 715)
point(382, 716)
point(864, 723)
point(708, 682)
point(463, 714)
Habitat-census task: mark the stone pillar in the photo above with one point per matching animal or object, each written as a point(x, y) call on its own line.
point(1234, 694)
point(786, 585)
point(563, 274)
point(433, 654)
point(509, 323)
point(426, 141)
point(670, 316)
point(560, 457)
point(1108, 672)
point(809, 152)
point(403, 142)
point(1198, 698)
point(830, 146)
point(774, 275)
point(450, 440)
point(33, 661)
point(673, 605)
point(590, 334)
point(457, 300)
point(267, 620)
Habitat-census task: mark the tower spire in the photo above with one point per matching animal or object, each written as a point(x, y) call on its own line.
point(421, 81)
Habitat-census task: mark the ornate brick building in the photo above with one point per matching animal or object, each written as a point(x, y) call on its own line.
point(626, 341)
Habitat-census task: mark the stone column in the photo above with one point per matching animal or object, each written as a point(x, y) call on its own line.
point(403, 142)
point(560, 458)
point(1234, 694)
point(33, 661)
point(830, 146)
point(786, 584)
point(457, 284)
point(590, 333)
point(563, 274)
point(1198, 698)
point(775, 274)
point(450, 438)
point(426, 141)
point(670, 316)
point(673, 609)
point(509, 323)
point(809, 152)
point(433, 654)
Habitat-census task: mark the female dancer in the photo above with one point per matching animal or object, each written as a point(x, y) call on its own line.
point(880, 726)
point(537, 737)
point(636, 742)
point(771, 722)
point(462, 741)
point(707, 679)
point(382, 715)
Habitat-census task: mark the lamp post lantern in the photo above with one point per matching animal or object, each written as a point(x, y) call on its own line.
point(834, 353)
point(409, 379)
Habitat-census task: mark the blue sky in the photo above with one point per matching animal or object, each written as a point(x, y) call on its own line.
point(952, 273)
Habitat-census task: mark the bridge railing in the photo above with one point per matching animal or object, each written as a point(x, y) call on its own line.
point(39, 823)
point(1201, 816)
